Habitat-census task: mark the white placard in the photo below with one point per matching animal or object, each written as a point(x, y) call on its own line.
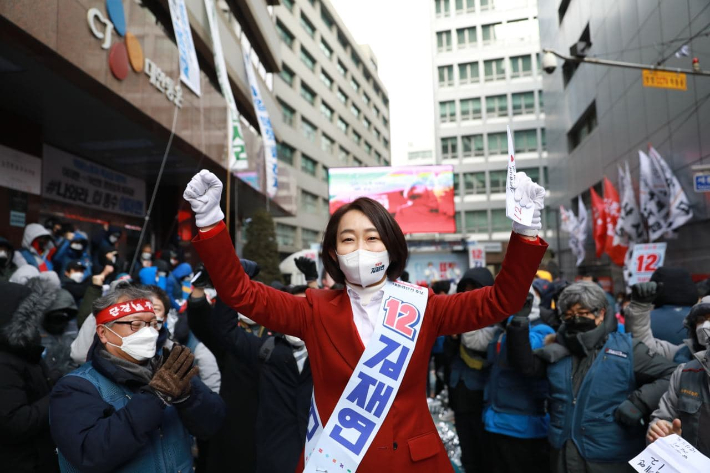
point(20, 171)
point(189, 68)
point(513, 210)
point(646, 258)
point(476, 256)
point(70, 179)
point(671, 454)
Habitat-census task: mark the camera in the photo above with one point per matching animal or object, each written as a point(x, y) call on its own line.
point(549, 62)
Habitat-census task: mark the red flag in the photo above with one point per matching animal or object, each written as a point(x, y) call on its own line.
point(599, 217)
point(612, 207)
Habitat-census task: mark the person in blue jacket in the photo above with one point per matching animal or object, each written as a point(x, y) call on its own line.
point(126, 410)
point(74, 249)
point(603, 384)
point(182, 271)
point(515, 416)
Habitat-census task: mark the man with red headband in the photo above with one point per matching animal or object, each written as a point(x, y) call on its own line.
point(126, 409)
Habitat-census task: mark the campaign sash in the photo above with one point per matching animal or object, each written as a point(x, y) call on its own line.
point(362, 408)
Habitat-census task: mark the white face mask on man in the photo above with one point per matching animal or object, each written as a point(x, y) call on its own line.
point(363, 267)
point(703, 333)
point(140, 345)
point(77, 277)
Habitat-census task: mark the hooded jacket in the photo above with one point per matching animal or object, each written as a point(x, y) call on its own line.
point(32, 232)
point(65, 254)
point(25, 441)
point(174, 284)
point(672, 303)
point(58, 345)
point(7, 270)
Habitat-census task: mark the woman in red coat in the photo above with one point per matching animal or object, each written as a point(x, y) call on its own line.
point(388, 428)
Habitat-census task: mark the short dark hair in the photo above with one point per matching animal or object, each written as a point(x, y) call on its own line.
point(390, 234)
point(443, 286)
point(160, 294)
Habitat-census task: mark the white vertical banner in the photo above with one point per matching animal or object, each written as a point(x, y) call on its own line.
point(629, 227)
point(679, 206)
point(189, 68)
point(267, 131)
point(654, 196)
point(581, 230)
point(237, 149)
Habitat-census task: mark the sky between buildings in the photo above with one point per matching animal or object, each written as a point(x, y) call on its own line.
point(399, 33)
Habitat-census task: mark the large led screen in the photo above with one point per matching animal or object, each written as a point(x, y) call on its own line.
point(420, 198)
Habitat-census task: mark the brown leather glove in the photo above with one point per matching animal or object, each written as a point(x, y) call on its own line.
point(171, 382)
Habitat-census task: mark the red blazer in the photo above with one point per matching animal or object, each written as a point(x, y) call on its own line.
point(408, 440)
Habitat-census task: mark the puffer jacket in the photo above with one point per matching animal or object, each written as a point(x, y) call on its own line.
point(57, 346)
point(66, 254)
point(7, 270)
point(32, 232)
point(25, 442)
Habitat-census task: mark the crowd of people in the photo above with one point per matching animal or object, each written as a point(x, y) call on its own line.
point(169, 368)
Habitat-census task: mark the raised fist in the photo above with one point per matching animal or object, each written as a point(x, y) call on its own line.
point(527, 194)
point(204, 192)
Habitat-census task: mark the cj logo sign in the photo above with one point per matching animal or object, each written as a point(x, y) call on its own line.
point(128, 54)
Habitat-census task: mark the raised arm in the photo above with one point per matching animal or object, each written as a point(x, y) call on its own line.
point(269, 307)
point(638, 319)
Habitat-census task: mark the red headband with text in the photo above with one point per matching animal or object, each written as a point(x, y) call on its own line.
point(122, 309)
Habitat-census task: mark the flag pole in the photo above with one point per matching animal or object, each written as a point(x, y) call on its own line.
point(229, 182)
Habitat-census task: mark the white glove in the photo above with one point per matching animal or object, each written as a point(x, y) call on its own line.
point(204, 192)
point(528, 193)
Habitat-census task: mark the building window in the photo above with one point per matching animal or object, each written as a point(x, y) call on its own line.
point(309, 202)
point(341, 96)
point(355, 111)
point(342, 126)
point(385, 142)
point(584, 126)
point(476, 221)
point(543, 143)
point(540, 101)
point(366, 99)
point(470, 109)
point(466, 37)
point(487, 5)
point(474, 183)
point(497, 143)
point(307, 59)
point(494, 70)
point(285, 153)
point(327, 144)
point(308, 165)
point(355, 59)
point(342, 40)
point(357, 163)
point(354, 85)
point(446, 76)
point(356, 137)
point(341, 69)
point(465, 6)
point(447, 111)
point(308, 94)
point(384, 121)
point(288, 114)
point(520, 66)
point(287, 75)
point(309, 130)
point(326, 111)
point(442, 8)
point(308, 26)
point(457, 221)
point(488, 33)
point(525, 141)
point(325, 78)
point(497, 106)
point(472, 145)
point(499, 222)
point(325, 174)
point(343, 155)
point(326, 49)
point(468, 73)
point(523, 103)
point(456, 179)
point(443, 41)
point(308, 237)
point(532, 173)
point(376, 111)
point(285, 34)
point(285, 235)
point(448, 148)
point(376, 132)
point(366, 123)
point(368, 148)
point(497, 179)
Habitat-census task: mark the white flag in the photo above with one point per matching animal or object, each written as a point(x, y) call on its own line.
point(569, 225)
point(654, 195)
point(581, 230)
point(629, 227)
point(679, 206)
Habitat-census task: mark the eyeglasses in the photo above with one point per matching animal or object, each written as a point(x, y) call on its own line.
point(136, 325)
point(581, 313)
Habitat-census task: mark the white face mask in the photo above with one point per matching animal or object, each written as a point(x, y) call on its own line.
point(294, 341)
point(77, 246)
point(703, 333)
point(77, 277)
point(113, 238)
point(146, 256)
point(363, 267)
point(140, 345)
point(174, 262)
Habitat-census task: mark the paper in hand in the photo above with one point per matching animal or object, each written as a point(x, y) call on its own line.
point(671, 454)
point(513, 210)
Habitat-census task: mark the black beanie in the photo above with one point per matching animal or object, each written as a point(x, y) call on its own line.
point(678, 287)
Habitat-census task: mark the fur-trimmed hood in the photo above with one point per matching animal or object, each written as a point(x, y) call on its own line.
point(21, 334)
